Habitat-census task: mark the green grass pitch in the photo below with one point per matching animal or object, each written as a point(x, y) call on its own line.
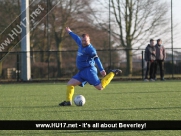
point(123, 100)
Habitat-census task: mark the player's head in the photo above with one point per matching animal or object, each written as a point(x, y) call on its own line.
point(152, 42)
point(85, 39)
point(159, 41)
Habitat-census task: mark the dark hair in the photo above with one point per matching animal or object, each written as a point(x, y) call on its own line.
point(151, 40)
point(158, 40)
point(84, 35)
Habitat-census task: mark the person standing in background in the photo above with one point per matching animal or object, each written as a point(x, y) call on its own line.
point(150, 57)
point(160, 57)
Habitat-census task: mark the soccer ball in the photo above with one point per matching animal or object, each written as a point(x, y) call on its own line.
point(79, 100)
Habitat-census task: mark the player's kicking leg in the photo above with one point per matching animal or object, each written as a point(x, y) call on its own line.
point(70, 92)
point(107, 79)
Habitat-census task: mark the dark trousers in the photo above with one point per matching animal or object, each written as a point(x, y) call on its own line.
point(161, 66)
point(150, 69)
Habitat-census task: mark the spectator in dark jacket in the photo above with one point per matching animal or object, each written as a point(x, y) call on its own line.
point(150, 57)
point(160, 57)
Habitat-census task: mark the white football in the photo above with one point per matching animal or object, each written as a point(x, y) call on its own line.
point(79, 100)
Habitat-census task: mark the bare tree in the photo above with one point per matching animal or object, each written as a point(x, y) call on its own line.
point(137, 21)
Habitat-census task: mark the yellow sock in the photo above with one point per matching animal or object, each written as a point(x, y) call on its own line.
point(70, 92)
point(107, 79)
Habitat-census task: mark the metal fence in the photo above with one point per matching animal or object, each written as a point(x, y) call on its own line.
point(61, 65)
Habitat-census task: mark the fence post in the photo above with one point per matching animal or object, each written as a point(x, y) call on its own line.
point(17, 67)
point(48, 63)
point(142, 66)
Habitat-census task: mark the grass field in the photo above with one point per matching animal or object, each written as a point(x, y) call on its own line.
point(127, 100)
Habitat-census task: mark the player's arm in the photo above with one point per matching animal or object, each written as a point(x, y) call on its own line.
point(76, 38)
point(98, 62)
point(92, 52)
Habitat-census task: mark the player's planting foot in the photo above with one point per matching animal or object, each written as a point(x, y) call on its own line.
point(116, 71)
point(65, 103)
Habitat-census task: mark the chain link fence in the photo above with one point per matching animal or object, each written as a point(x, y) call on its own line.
point(61, 65)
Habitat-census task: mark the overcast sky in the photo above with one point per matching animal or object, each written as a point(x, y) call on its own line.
point(176, 20)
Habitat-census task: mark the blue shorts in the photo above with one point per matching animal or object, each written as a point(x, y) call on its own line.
point(88, 75)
